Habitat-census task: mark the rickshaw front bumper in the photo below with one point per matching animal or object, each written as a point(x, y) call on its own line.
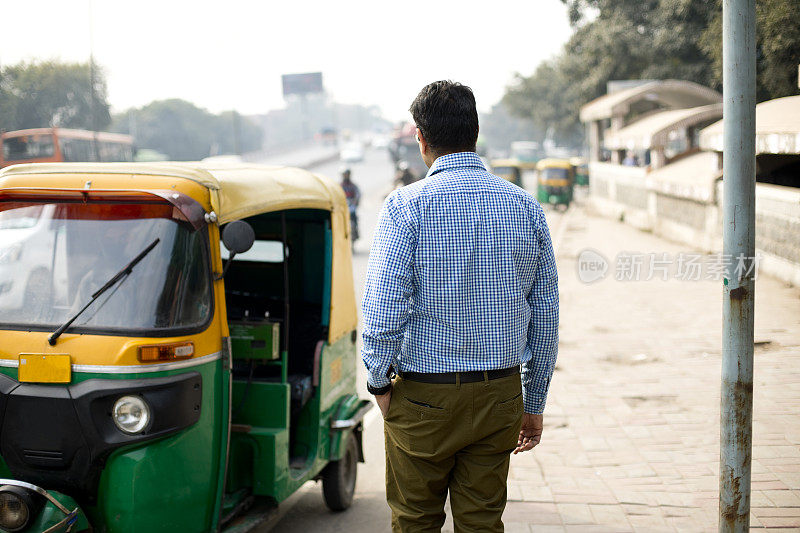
point(25, 507)
point(59, 436)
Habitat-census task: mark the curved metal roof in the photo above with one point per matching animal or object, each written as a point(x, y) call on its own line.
point(671, 93)
point(240, 190)
point(777, 128)
point(654, 129)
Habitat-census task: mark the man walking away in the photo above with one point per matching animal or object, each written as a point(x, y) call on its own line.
point(461, 300)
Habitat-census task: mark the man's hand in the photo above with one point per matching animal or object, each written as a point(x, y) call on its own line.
point(383, 402)
point(530, 434)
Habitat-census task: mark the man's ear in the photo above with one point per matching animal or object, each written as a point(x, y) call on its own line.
point(423, 144)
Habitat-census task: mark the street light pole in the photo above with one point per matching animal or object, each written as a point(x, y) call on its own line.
point(738, 234)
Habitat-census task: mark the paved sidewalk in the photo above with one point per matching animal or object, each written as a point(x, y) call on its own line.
point(631, 438)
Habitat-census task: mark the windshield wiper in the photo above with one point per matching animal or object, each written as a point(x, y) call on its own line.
point(110, 283)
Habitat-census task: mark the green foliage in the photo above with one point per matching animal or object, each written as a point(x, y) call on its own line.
point(499, 129)
point(186, 132)
point(649, 39)
point(777, 42)
point(52, 93)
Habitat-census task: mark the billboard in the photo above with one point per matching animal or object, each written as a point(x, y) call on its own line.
point(306, 83)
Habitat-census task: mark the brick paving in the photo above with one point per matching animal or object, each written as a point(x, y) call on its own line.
point(631, 438)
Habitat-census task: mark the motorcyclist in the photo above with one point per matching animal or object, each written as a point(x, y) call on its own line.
point(403, 176)
point(353, 195)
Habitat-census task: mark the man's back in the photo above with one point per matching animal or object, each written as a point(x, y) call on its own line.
point(474, 261)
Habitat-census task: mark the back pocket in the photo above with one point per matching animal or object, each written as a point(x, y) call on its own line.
point(511, 405)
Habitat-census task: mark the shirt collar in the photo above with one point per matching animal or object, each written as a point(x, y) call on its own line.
point(456, 160)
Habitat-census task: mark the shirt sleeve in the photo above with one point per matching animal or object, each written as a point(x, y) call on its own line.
point(387, 293)
point(541, 350)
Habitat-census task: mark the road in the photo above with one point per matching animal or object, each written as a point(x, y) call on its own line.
point(305, 510)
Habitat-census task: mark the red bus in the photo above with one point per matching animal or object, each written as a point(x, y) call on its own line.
point(47, 145)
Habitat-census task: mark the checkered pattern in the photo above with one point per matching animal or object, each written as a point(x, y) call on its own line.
point(462, 276)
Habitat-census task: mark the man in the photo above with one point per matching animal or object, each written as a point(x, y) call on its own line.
point(403, 176)
point(461, 292)
point(353, 195)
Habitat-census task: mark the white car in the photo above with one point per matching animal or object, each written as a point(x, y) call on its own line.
point(25, 264)
point(352, 152)
point(380, 142)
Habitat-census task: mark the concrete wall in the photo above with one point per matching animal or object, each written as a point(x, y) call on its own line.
point(695, 217)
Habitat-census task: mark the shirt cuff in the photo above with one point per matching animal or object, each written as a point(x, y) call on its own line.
point(533, 404)
point(376, 380)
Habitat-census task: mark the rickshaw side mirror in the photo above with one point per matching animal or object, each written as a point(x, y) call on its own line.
point(238, 237)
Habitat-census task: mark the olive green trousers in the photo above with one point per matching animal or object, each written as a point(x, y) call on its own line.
point(450, 438)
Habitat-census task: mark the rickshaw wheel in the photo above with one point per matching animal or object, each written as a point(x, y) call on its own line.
point(339, 478)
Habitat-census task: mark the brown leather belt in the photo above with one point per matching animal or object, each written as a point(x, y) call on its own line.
point(446, 378)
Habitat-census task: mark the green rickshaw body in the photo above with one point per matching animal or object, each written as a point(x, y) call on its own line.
point(581, 169)
point(212, 385)
point(508, 169)
point(555, 182)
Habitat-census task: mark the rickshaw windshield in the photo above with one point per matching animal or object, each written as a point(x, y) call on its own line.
point(554, 173)
point(55, 256)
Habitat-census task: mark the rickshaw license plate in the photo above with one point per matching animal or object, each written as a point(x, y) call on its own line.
point(44, 368)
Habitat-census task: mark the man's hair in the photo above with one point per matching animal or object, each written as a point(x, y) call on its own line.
point(445, 113)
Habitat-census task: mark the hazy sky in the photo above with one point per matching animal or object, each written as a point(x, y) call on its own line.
point(230, 55)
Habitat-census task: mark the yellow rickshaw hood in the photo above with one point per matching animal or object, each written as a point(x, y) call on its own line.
point(235, 191)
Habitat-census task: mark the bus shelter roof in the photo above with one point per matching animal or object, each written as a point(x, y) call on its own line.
point(777, 128)
point(654, 130)
point(670, 93)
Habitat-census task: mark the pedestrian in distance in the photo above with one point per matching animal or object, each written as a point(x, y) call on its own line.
point(461, 303)
point(353, 195)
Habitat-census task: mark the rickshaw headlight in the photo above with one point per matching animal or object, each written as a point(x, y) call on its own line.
point(14, 511)
point(131, 414)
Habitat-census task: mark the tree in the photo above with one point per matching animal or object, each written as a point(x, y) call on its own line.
point(777, 47)
point(52, 93)
point(625, 39)
point(186, 132)
point(235, 133)
point(499, 129)
point(650, 39)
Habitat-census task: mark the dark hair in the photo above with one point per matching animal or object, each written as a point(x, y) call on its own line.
point(446, 115)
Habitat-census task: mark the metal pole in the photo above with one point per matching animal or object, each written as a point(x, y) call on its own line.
point(738, 234)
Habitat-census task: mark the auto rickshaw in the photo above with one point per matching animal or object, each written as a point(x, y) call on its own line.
point(581, 170)
point(178, 346)
point(508, 169)
point(556, 178)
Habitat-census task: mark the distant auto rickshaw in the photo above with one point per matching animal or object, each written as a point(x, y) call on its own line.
point(581, 170)
point(180, 355)
point(508, 169)
point(556, 178)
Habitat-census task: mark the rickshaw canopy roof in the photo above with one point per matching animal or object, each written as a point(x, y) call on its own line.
point(553, 163)
point(505, 163)
point(238, 190)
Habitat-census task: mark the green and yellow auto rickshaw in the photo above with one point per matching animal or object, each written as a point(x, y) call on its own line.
point(177, 346)
point(556, 178)
point(508, 169)
point(581, 168)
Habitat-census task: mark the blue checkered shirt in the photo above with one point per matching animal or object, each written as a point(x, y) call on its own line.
point(462, 276)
